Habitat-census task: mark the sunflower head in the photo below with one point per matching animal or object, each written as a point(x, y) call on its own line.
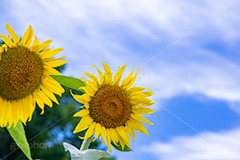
point(25, 66)
point(112, 110)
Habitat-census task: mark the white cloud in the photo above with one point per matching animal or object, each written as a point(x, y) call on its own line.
point(206, 146)
point(235, 106)
point(202, 72)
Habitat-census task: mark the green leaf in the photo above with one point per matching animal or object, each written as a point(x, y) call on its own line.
point(18, 134)
point(69, 82)
point(118, 147)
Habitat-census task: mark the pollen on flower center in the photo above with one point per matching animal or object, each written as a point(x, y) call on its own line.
point(110, 107)
point(21, 73)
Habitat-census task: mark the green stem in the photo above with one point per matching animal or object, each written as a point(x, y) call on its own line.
point(86, 143)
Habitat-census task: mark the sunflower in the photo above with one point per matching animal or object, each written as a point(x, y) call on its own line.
point(112, 110)
point(24, 77)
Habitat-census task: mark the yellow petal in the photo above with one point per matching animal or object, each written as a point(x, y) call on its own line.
point(93, 77)
point(138, 126)
point(137, 94)
point(13, 34)
point(129, 77)
point(109, 140)
point(5, 113)
point(90, 131)
point(107, 74)
point(103, 134)
point(44, 52)
point(1, 49)
point(123, 133)
point(122, 142)
point(148, 94)
point(7, 40)
point(50, 95)
point(20, 114)
point(130, 132)
point(53, 59)
point(83, 124)
point(44, 98)
point(91, 84)
point(143, 105)
point(39, 102)
point(98, 130)
point(56, 63)
point(44, 45)
point(86, 105)
point(50, 71)
point(23, 114)
point(89, 91)
point(82, 113)
point(52, 86)
point(5, 47)
point(143, 111)
point(15, 113)
point(114, 136)
point(118, 75)
point(52, 53)
point(28, 103)
point(32, 106)
point(140, 94)
point(135, 89)
point(81, 98)
point(139, 99)
point(35, 41)
point(9, 114)
point(140, 118)
point(4, 107)
point(101, 77)
point(130, 83)
point(27, 37)
point(35, 45)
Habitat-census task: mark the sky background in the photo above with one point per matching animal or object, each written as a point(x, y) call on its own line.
point(188, 54)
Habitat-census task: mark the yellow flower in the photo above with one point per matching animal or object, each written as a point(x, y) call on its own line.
point(112, 110)
point(24, 77)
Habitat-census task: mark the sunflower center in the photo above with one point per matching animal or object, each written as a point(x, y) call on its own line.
point(110, 107)
point(21, 73)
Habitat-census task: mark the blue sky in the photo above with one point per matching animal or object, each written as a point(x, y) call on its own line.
point(188, 52)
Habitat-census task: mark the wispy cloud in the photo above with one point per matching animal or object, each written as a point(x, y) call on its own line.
point(206, 146)
point(202, 72)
